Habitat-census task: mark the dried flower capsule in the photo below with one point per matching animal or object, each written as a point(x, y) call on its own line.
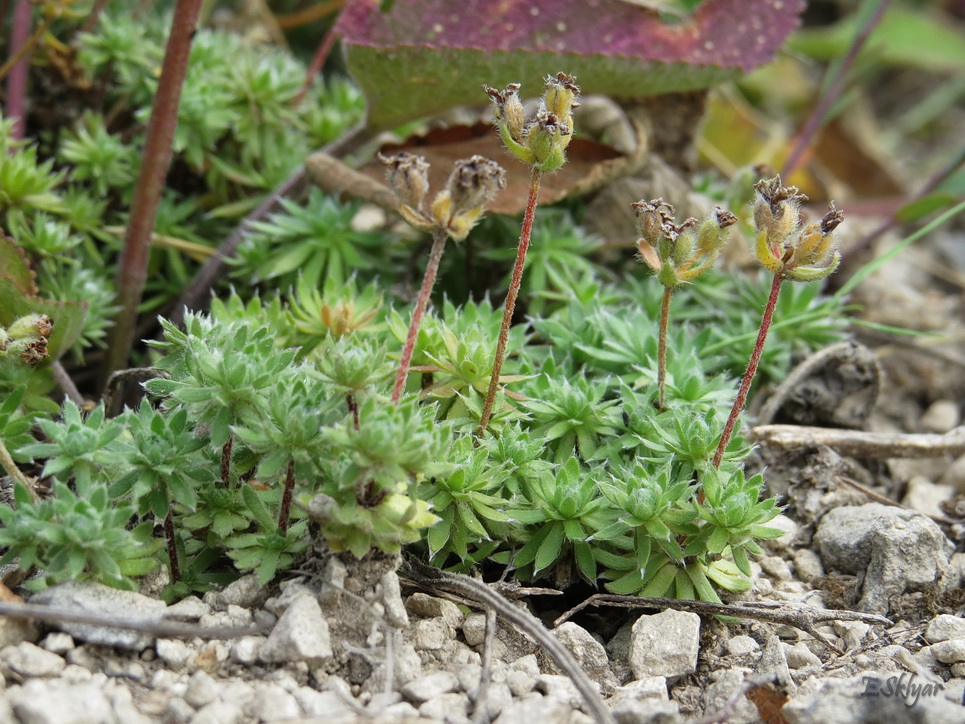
point(542, 142)
point(473, 183)
point(678, 253)
point(27, 338)
point(782, 247)
point(408, 176)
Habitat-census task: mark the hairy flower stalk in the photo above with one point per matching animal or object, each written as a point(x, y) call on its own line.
point(677, 254)
point(474, 182)
point(790, 253)
point(542, 145)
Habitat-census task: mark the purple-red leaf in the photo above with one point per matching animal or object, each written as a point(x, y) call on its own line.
point(424, 56)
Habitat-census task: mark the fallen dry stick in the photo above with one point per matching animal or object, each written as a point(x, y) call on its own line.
point(860, 444)
point(804, 618)
point(156, 626)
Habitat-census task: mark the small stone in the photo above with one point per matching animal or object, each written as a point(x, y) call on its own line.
point(123, 704)
point(808, 565)
point(945, 627)
point(429, 686)
point(58, 642)
point(589, 653)
point(174, 652)
point(520, 683)
point(245, 592)
point(450, 708)
point(941, 416)
point(430, 634)
point(958, 670)
point(528, 664)
point(954, 475)
point(272, 703)
point(246, 650)
point(395, 612)
point(211, 655)
point(191, 608)
point(653, 688)
point(14, 631)
point(948, 652)
point(401, 711)
point(741, 646)
point(425, 606)
point(665, 644)
point(799, 656)
point(322, 703)
point(775, 567)
point(301, 634)
point(54, 702)
point(898, 550)
point(646, 711)
point(202, 689)
point(536, 708)
point(29, 660)
point(926, 497)
point(178, 711)
point(784, 542)
point(87, 597)
point(474, 628)
point(774, 661)
point(218, 712)
point(561, 688)
point(721, 692)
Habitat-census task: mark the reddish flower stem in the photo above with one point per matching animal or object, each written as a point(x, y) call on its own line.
point(353, 407)
point(173, 564)
point(834, 85)
point(18, 65)
point(748, 378)
point(226, 461)
point(662, 348)
point(435, 255)
point(155, 161)
point(286, 497)
point(510, 304)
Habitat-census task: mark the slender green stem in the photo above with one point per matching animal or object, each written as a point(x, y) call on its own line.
point(7, 462)
point(752, 364)
point(286, 497)
point(435, 255)
point(511, 295)
point(662, 349)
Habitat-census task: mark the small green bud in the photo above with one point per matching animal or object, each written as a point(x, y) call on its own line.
point(545, 138)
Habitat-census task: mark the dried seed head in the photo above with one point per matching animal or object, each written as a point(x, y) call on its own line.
point(652, 216)
point(778, 209)
point(408, 176)
point(474, 182)
point(508, 109)
point(561, 94)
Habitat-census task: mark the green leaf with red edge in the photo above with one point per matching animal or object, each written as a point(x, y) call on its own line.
point(16, 266)
point(419, 57)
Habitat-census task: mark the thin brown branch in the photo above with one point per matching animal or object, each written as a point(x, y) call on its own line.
point(861, 444)
point(804, 618)
point(154, 626)
point(155, 161)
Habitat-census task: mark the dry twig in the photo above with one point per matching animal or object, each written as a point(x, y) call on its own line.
point(860, 444)
point(804, 618)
